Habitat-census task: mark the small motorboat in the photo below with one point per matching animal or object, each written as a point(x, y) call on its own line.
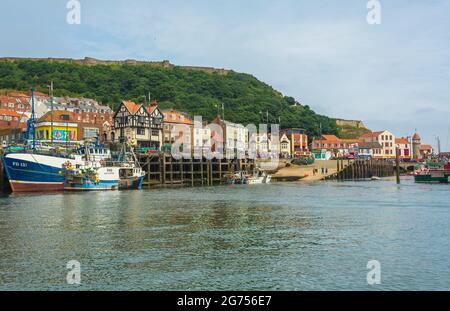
point(259, 177)
point(375, 178)
point(239, 178)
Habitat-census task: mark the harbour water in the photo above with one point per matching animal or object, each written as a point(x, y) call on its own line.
point(284, 236)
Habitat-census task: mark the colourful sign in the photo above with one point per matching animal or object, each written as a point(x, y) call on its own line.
point(62, 135)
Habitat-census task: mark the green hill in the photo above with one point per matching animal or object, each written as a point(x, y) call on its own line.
point(190, 89)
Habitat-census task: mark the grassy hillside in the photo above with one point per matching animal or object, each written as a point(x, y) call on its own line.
point(195, 92)
point(351, 132)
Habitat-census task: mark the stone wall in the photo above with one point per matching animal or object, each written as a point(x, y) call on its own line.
point(353, 123)
point(89, 61)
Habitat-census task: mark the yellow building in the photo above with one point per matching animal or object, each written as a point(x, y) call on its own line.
point(61, 132)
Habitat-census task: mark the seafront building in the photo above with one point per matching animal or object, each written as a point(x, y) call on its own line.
point(298, 141)
point(65, 119)
point(234, 138)
point(139, 125)
point(367, 151)
point(285, 146)
point(403, 146)
point(386, 139)
point(172, 130)
point(338, 147)
point(67, 126)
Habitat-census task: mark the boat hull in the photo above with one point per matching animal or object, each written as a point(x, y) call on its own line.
point(433, 179)
point(131, 184)
point(28, 172)
point(90, 185)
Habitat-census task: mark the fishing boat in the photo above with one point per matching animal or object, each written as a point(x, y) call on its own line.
point(434, 173)
point(90, 178)
point(31, 168)
point(131, 174)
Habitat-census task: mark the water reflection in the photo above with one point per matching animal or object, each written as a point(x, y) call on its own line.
point(283, 236)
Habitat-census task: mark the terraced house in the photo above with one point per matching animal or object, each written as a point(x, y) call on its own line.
point(173, 133)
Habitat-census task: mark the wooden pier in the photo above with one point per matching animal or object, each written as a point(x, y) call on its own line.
point(164, 170)
point(362, 169)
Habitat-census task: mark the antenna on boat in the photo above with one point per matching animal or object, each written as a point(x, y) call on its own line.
point(32, 121)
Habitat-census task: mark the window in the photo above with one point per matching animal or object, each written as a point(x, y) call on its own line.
point(141, 131)
point(90, 132)
point(155, 133)
point(65, 117)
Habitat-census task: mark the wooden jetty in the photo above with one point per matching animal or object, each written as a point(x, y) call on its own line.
point(362, 169)
point(164, 170)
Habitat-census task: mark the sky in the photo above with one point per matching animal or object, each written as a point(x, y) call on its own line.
point(394, 76)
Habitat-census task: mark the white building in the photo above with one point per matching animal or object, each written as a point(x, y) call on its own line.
point(387, 141)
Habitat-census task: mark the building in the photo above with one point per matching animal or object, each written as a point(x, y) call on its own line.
point(10, 119)
point(338, 147)
point(201, 137)
point(367, 151)
point(285, 146)
point(416, 142)
point(235, 137)
point(403, 146)
point(20, 102)
point(386, 139)
point(12, 136)
point(298, 142)
point(172, 118)
point(139, 125)
point(322, 155)
point(425, 151)
point(17, 104)
point(66, 126)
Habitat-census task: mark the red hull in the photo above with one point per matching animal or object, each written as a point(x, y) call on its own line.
point(35, 187)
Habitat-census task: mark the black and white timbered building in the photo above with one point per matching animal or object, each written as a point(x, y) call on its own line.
point(139, 125)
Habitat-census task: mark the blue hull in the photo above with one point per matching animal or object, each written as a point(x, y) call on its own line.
point(89, 185)
point(139, 183)
point(27, 176)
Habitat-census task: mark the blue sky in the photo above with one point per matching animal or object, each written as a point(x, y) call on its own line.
point(393, 76)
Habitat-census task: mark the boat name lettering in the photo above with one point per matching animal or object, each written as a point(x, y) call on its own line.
point(19, 164)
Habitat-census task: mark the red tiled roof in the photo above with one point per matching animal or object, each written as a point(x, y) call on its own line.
point(426, 147)
point(152, 107)
point(330, 137)
point(11, 113)
point(371, 134)
point(132, 107)
point(170, 114)
point(402, 141)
